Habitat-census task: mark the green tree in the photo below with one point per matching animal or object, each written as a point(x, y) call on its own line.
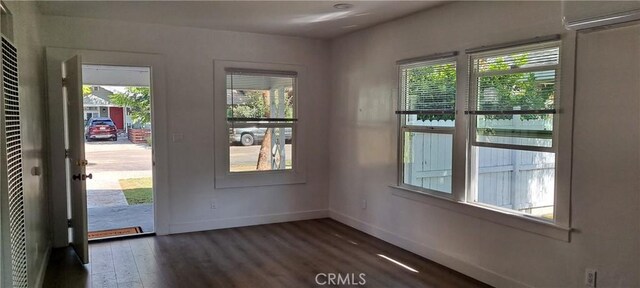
point(255, 106)
point(432, 88)
point(525, 91)
point(138, 100)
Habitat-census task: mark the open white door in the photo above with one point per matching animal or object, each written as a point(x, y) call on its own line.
point(72, 91)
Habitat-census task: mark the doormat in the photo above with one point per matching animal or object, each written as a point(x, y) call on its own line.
point(115, 232)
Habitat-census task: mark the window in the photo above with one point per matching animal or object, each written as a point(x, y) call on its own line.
point(512, 101)
point(259, 125)
point(427, 113)
point(504, 159)
point(261, 119)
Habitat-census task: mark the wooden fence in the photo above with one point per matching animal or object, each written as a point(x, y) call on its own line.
point(514, 179)
point(139, 136)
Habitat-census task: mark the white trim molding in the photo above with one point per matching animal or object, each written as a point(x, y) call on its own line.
point(57, 132)
point(186, 227)
point(433, 254)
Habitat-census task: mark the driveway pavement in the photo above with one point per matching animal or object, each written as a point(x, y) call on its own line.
point(248, 155)
point(109, 162)
point(121, 155)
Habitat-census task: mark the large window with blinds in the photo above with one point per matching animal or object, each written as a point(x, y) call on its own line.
point(427, 124)
point(502, 153)
point(512, 103)
point(261, 118)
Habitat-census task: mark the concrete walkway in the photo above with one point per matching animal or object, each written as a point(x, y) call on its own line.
point(113, 217)
point(104, 189)
point(107, 206)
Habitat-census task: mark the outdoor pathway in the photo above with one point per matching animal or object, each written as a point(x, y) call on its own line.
point(113, 217)
point(107, 206)
point(104, 189)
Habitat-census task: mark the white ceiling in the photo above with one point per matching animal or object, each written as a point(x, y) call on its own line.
point(315, 19)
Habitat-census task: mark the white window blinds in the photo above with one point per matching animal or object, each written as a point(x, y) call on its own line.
point(264, 96)
point(428, 89)
point(514, 94)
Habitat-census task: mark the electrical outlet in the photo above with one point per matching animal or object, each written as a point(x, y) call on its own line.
point(177, 137)
point(363, 204)
point(590, 277)
point(213, 204)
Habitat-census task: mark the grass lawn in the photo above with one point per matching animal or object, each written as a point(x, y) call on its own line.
point(137, 190)
point(243, 167)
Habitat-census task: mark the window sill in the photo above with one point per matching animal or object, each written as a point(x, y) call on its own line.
point(513, 220)
point(259, 179)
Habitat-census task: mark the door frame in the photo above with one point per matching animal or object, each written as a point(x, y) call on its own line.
point(58, 184)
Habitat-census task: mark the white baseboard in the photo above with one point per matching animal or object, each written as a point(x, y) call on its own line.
point(432, 254)
point(42, 270)
point(246, 221)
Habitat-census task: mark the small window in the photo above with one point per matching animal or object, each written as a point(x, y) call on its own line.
point(513, 99)
point(427, 110)
point(261, 120)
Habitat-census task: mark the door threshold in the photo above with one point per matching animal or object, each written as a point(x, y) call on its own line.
point(138, 235)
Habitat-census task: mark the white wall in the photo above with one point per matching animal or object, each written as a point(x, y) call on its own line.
point(362, 133)
point(605, 201)
point(34, 146)
point(189, 54)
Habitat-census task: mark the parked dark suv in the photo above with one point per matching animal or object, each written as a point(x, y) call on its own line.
point(100, 128)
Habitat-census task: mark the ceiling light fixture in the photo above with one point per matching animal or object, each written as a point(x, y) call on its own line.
point(343, 6)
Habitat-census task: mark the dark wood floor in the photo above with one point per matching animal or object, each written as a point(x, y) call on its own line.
point(275, 255)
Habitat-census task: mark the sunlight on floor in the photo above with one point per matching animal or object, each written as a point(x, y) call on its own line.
point(398, 263)
point(350, 241)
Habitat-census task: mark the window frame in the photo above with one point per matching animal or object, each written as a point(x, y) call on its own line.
point(560, 227)
point(271, 122)
point(403, 128)
point(224, 178)
point(471, 189)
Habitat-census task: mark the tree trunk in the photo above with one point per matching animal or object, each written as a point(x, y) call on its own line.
point(265, 151)
point(265, 147)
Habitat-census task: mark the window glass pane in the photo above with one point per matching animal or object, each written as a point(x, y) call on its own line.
point(526, 130)
point(260, 96)
point(429, 88)
point(517, 91)
point(260, 149)
point(427, 160)
point(514, 179)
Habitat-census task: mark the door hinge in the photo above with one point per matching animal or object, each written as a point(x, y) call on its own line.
point(64, 82)
point(67, 153)
point(69, 223)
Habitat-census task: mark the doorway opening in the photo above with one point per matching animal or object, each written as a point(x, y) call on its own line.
point(118, 149)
